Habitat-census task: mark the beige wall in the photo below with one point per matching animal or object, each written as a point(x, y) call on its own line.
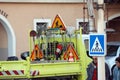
point(21, 16)
point(112, 10)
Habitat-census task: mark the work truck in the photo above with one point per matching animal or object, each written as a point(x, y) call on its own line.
point(51, 62)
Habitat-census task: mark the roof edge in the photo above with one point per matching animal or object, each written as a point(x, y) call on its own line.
point(43, 1)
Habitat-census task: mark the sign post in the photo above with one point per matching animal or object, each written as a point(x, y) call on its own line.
point(97, 45)
point(100, 29)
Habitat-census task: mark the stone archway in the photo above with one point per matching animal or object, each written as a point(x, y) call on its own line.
point(114, 23)
point(10, 36)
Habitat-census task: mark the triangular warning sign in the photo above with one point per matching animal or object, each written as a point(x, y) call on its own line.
point(70, 50)
point(58, 23)
point(97, 46)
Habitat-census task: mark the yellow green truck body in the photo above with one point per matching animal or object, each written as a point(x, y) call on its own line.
point(38, 69)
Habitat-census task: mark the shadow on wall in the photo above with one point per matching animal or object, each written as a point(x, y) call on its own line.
point(3, 54)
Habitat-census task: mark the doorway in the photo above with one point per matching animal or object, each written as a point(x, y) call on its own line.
point(113, 24)
point(8, 40)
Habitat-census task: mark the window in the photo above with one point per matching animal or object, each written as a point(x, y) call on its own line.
point(112, 50)
point(86, 42)
point(84, 25)
point(41, 25)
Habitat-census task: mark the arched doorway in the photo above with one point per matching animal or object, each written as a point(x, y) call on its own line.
point(113, 23)
point(10, 37)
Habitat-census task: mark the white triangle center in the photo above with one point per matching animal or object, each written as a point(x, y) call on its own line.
point(97, 46)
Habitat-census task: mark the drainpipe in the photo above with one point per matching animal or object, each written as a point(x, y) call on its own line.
point(91, 15)
point(91, 25)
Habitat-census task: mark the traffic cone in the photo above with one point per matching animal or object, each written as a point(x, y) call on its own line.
point(71, 57)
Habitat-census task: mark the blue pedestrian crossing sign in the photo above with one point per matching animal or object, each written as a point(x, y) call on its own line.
point(97, 45)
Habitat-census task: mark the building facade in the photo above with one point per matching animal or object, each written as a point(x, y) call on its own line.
point(18, 17)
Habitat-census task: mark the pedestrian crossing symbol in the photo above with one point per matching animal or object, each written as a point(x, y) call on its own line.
point(97, 45)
